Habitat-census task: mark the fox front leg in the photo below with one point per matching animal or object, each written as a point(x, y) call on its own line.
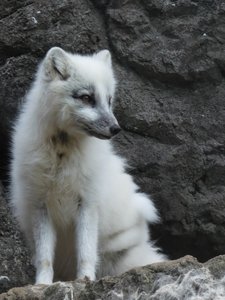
point(87, 240)
point(44, 242)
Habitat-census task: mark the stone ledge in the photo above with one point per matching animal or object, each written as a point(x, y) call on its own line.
point(155, 281)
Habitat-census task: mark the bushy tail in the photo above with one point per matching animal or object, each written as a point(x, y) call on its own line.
point(146, 207)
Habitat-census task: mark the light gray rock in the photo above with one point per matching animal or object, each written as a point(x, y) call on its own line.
point(185, 278)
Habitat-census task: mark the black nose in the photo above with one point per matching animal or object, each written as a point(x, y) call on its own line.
point(115, 129)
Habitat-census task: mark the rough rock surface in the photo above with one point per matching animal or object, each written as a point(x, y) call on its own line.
point(15, 266)
point(185, 278)
point(170, 64)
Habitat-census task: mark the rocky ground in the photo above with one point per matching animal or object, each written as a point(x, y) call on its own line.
point(169, 58)
point(185, 278)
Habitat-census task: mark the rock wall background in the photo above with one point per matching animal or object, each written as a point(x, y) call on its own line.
point(169, 57)
point(15, 265)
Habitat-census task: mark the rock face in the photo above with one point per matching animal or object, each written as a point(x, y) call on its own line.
point(15, 266)
point(185, 278)
point(170, 63)
point(171, 105)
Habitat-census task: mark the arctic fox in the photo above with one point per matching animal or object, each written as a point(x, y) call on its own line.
point(80, 211)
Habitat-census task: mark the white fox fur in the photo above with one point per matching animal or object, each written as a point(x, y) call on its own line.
point(79, 210)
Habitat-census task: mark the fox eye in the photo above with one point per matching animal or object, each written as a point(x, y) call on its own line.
point(87, 99)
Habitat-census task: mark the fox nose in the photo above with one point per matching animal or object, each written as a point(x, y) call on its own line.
point(114, 129)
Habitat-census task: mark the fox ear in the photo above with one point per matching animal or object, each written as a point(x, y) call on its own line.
point(105, 56)
point(56, 64)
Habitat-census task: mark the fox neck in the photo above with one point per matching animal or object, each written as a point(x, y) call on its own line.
point(63, 142)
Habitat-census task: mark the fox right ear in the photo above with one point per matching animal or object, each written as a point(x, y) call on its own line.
point(56, 64)
point(105, 56)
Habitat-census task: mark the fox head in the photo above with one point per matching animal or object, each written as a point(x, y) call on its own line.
point(80, 91)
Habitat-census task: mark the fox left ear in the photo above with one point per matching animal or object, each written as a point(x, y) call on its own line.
point(105, 56)
point(56, 64)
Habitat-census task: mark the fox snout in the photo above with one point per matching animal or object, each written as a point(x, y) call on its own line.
point(108, 127)
point(114, 129)
point(103, 128)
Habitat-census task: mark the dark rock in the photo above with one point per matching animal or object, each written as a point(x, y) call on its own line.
point(173, 139)
point(16, 75)
point(169, 40)
point(171, 107)
point(170, 64)
point(15, 265)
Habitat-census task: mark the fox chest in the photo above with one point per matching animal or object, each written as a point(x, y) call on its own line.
point(64, 187)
